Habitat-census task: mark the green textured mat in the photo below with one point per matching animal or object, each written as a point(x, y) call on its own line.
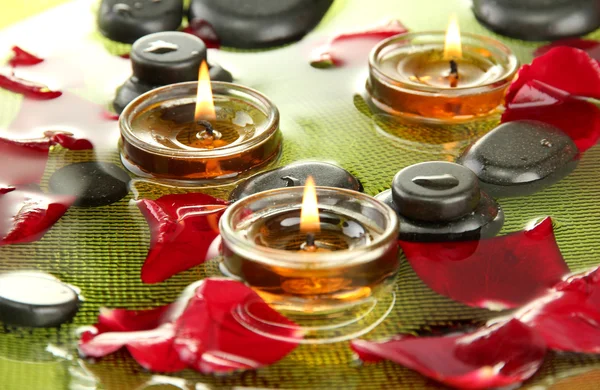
point(101, 249)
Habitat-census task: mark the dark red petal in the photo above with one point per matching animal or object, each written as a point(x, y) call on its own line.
point(205, 31)
point(500, 273)
point(70, 142)
point(589, 46)
point(23, 161)
point(122, 320)
point(565, 68)
point(503, 354)
point(538, 101)
point(26, 215)
point(210, 339)
point(182, 227)
point(336, 52)
point(23, 58)
point(568, 318)
point(27, 88)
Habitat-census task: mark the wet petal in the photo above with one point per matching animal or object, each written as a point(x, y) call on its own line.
point(496, 273)
point(210, 339)
point(565, 68)
point(25, 161)
point(503, 354)
point(589, 46)
point(332, 53)
point(568, 318)
point(23, 58)
point(182, 227)
point(27, 88)
point(26, 215)
point(538, 101)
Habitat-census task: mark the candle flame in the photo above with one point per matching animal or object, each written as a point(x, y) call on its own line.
point(452, 46)
point(309, 214)
point(205, 107)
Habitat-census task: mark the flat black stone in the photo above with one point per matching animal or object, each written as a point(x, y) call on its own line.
point(539, 20)
point(93, 183)
point(435, 191)
point(324, 174)
point(128, 20)
point(253, 24)
point(520, 158)
point(485, 221)
point(36, 299)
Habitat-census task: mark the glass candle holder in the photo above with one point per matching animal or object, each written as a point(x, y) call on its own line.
point(350, 269)
point(409, 77)
point(161, 140)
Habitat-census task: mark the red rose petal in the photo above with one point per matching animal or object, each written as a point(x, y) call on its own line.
point(565, 68)
point(210, 339)
point(589, 46)
point(23, 161)
point(538, 101)
point(68, 141)
point(27, 88)
point(199, 329)
point(23, 58)
point(501, 355)
point(26, 215)
point(333, 54)
point(205, 31)
point(568, 318)
point(182, 228)
point(501, 273)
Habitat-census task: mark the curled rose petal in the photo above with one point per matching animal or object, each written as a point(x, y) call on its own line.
point(27, 88)
point(24, 161)
point(26, 215)
point(182, 227)
point(329, 54)
point(501, 273)
point(565, 68)
point(589, 46)
point(68, 141)
point(23, 58)
point(205, 31)
point(502, 354)
point(198, 330)
point(568, 317)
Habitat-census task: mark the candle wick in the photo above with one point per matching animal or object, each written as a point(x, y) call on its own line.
point(453, 74)
point(310, 239)
point(207, 127)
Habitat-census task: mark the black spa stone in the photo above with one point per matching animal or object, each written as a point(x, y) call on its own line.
point(253, 24)
point(36, 299)
point(127, 20)
point(324, 174)
point(93, 183)
point(441, 201)
point(161, 59)
point(539, 20)
point(521, 158)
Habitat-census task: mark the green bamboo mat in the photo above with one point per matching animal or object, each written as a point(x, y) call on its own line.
point(101, 249)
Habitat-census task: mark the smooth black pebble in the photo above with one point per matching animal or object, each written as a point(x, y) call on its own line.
point(324, 174)
point(93, 183)
point(441, 201)
point(252, 24)
point(521, 158)
point(36, 299)
point(164, 58)
point(539, 20)
point(128, 20)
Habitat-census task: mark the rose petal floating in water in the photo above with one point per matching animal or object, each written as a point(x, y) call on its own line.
point(329, 54)
point(589, 46)
point(568, 317)
point(23, 58)
point(539, 101)
point(27, 88)
point(496, 273)
point(26, 214)
point(565, 68)
point(182, 227)
point(24, 161)
point(198, 331)
point(503, 354)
